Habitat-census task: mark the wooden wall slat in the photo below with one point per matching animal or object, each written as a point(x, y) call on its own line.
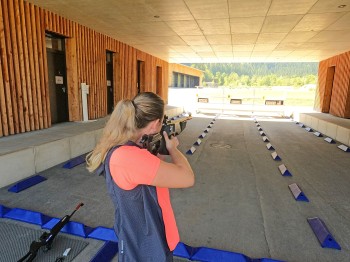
point(72, 79)
point(31, 65)
point(36, 67)
point(42, 61)
point(16, 63)
point(6, 103)
point(10, 66)
point(24, 94)
point(3, 115)
point(22, 74)
point(30, 111)
point(45, 69)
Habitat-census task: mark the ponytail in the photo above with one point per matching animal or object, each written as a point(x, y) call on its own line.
point(127, 118)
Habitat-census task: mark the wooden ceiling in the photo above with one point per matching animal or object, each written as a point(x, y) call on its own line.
point(186, 31)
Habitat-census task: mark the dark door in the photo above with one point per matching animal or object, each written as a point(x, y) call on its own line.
point(56, 63)
point(140, 76)
point(328, 89)
point(159, 80)
point(109, 72)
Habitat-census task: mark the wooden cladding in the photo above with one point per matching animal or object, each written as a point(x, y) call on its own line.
point(333, 93)
point(24, 92)
point(24, 100)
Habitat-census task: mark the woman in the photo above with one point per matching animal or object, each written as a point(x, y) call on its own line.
point(138, 181)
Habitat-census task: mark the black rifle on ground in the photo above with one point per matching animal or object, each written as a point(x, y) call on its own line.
point(46, 238)
point(173, 127)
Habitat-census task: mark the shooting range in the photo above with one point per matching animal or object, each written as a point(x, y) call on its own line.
point(272, 182)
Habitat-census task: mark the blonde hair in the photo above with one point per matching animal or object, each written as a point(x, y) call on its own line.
point(127, 118)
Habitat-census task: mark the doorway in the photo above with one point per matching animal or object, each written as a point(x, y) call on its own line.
point(109, 77)
point(57, 75)
point(159, 80)
point(328, 89)
point(140, 83)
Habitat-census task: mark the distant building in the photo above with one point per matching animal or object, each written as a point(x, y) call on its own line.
point(184, 76)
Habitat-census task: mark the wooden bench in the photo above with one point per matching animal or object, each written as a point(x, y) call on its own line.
point(274, 102)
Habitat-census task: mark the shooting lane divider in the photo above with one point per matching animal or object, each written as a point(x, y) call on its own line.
point(318, 134)
point(269, 147)
point(322, 233)
point(73, 228)
point(75, 162)
point(284, 171)
point(202, 135)
point(344, 148)
point(198, 142)
point(103, 233)
point(275, 156)
point(308, 129)
point(191, 150)
point(265, 139)
point(319, 228)
point(210, 254)
point(329, 140)
point(26, 183)
point(110, 248)
point(107, 252)
point(297, 193)
point(3, 210)
point(27, 216)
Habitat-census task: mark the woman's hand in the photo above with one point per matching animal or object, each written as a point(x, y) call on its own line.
point(171, 143)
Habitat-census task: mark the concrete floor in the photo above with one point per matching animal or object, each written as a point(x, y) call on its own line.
point(240, 201)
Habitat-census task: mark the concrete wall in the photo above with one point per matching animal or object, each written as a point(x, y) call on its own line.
point(24, 163)
point(21, 163)
point(333, 130)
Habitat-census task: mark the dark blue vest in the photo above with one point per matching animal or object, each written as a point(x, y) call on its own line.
point(138, 220)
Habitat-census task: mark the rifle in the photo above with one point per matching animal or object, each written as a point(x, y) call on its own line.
point(173, 127)
point(46, 238)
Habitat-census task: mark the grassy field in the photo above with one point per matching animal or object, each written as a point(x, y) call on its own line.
point(291, 96)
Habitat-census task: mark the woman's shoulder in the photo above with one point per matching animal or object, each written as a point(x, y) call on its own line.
point(129, 152)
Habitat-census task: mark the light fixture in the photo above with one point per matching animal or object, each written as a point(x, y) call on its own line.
point(341, 6)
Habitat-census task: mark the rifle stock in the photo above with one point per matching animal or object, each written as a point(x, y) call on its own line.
point(173, 127)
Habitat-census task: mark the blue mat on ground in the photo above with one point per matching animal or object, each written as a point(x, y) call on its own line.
point(106, 252)
point(214, 255)
point(28, 216)
point(75, 162)
point(103, 233)
point(110, 248)
point(3, 210)
point(183, 250)
point(26, 183)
